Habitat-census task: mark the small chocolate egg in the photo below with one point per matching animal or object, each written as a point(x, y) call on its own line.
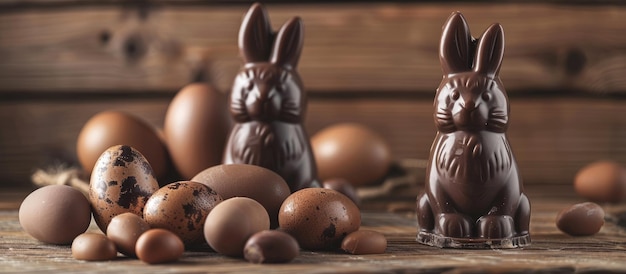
point(582, 219)
point(270, 247)
point(110, 128)
point(352, 152)
point(182, 208)
point(122, 181)
point(55, 214)
point(93, 247)
point(157, 246)
point(363, 242)
point(124, 230)
point(237, 180)
point(231, 223)
point(319, 218)
point(602, 182)
point(197, 124)
point(344, 187)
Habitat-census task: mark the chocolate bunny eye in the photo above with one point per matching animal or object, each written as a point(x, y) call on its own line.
point(455, 95)
point(486, 96)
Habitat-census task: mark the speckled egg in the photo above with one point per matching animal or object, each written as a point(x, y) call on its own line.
point(122, 181)
point(182, 208)
point(319, 218)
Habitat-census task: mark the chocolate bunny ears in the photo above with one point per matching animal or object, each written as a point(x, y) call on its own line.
point(460, 52)
point(258, 43)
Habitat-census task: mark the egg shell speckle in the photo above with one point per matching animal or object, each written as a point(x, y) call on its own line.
point(182, 208)
point(319, 218)
point(122, 181)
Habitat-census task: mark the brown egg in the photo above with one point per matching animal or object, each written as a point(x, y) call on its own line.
point(93, 247)
point(363, 242)
point(197, 124)
point(182, 208)
point(124, 230)
point(602, 182)
point(55, 214)
point(344, 187)
point(157, 246)
point(231, 223)
point(270, 247)
point(319, 218)
point(352, 152)
point(260, 184)
point(581, 219)
point(110, 128)
point(122, 181)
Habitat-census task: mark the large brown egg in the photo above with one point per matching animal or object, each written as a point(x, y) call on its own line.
point(237, 180)
point(352, 152)
point(182, 208)
point(602, 182)
point(319, 218)
point(110, 128)
point(55, 214)
point(197, 124)
point(122, 181)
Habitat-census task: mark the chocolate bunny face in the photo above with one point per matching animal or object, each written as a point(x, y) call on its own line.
point(471, 96)
point(268, 88)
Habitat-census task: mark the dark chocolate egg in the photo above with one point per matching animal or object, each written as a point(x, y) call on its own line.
point(319, 218)
point(182, 208)
point(110, 128)
point(196, 126)
point(352, 152)
point(582, 219)
point(237, 180)
point(122, 181)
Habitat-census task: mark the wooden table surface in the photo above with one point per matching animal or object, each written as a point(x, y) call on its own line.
point(551, 251)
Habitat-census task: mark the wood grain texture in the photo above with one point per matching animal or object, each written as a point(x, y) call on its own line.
point(551, 137)
point(550, 252)
point(369, 47)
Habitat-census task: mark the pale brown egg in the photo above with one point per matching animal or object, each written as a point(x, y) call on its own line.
point(319, 218)
point(231, 223)
point(351, 151)
point(93, 247)
point(55, 214)
point(124, 230)
point(158, 246)
point(182, 208)
point(110, 128)
point(602, 182)
point(122, 181)
point(258, 183)
point(197, 124)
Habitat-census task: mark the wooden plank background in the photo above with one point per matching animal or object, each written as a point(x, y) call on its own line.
point(374, 63)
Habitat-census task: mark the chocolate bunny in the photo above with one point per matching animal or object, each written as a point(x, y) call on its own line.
point(474, 195)
point(268, 102)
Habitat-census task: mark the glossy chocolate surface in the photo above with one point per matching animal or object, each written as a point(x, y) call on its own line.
point(268, 102)
point(474, 194)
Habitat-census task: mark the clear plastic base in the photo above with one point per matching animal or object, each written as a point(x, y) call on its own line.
point(437, 240)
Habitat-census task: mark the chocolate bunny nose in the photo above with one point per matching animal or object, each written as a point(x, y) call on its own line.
point(469, 106)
